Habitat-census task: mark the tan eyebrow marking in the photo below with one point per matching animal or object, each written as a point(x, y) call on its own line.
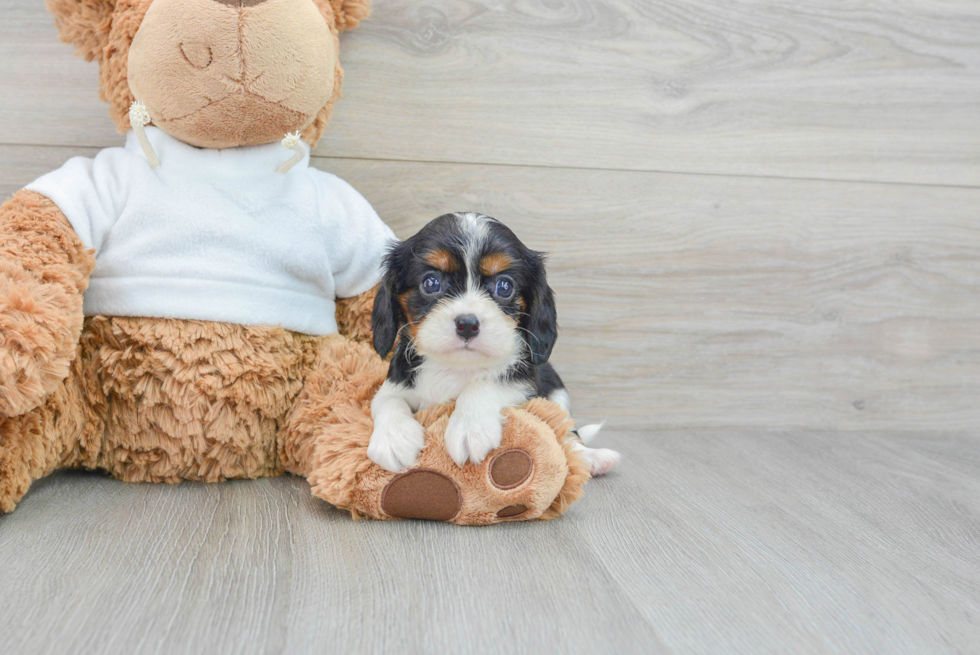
point(495, 263)
point(442, 260)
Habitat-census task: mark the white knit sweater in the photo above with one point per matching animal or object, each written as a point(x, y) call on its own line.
point(218, 235)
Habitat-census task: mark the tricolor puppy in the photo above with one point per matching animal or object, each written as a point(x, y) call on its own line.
point(469, 312)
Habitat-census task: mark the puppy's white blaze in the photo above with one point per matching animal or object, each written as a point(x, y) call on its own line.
point(600, 460)
point(475, 229)
point(474, 226)
point(497, 345)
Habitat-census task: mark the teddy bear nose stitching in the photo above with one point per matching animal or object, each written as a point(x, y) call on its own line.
point(240, 3)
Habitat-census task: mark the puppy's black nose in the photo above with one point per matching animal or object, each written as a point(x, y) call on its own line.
point(467, 326)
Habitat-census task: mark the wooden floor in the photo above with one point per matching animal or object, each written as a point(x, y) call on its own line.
point(764, 227)
point(706, 541)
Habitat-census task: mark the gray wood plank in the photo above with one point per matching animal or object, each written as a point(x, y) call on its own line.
point(704, 301)
point(832, 90)
point(89, 564)
point(805, 542)
point(703, 542)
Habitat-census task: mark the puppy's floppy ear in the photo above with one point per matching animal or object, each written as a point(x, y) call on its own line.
point(388, 316)
point(83, 23)
point(541, 320)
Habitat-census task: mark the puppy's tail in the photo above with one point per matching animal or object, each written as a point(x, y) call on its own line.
point(588, 432)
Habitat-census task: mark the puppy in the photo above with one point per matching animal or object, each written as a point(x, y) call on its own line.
point(468, 309)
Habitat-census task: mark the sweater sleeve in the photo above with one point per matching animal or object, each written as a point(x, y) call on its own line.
point(359, 239)
point(88, 192)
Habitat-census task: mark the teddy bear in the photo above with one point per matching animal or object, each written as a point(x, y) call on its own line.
point(196, 304)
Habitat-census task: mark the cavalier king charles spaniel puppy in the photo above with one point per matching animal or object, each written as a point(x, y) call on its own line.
point(469, 312)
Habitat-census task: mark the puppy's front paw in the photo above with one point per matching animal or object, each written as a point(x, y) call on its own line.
point(470, 437)
point(396, 443)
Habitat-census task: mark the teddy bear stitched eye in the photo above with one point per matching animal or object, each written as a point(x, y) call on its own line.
point(504, 288)
point(431, 285)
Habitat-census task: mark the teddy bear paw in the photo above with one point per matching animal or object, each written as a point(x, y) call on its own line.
point(499, 488)
point(534, 474)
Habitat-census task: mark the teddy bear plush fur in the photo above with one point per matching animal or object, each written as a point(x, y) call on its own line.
point(165, 400)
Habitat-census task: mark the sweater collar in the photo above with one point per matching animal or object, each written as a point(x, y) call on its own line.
point(246, 161)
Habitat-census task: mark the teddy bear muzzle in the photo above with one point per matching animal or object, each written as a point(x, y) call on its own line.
point(226, 73)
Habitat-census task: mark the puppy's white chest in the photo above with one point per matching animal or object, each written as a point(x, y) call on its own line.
point(436, 384)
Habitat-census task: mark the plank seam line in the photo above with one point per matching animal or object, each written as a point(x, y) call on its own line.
point(654, 171)
point(757, 176)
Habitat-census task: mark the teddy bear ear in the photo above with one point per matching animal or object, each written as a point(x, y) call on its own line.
point(349, 13)
point(83, 23)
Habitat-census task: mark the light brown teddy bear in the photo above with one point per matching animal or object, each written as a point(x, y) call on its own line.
point(227, 285)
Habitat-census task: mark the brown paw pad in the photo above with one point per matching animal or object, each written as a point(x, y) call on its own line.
point(422, 494)
point(511, 511)
point(510, 469)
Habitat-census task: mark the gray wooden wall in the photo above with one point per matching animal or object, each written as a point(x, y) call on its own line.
point(760, 214)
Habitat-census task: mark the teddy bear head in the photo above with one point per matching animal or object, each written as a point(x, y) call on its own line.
point(215, 73)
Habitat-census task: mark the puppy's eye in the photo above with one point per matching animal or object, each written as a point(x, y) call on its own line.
point(431, 285)
point(504, 288)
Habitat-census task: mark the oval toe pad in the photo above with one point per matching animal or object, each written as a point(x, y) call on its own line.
point(511, 469)
point(511, 511)
point(422, 494)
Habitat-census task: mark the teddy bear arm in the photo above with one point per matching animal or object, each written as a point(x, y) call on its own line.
point(44, 270)
point(354, 316)
point(65, 430)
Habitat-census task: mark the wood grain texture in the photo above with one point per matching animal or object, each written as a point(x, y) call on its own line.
point(704, 542)
point(804, 540)
point(830, 90)
point(704, 301)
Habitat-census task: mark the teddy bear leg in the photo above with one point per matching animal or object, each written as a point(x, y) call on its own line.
point(533, 475)
point(64, 431)
point(337, 391)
